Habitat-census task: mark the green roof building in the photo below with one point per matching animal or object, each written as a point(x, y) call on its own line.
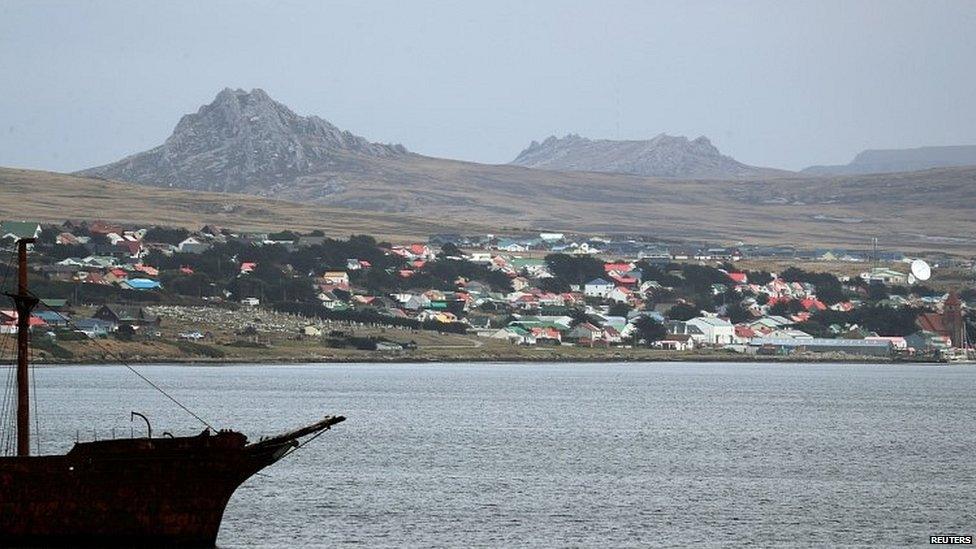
point(19, 229)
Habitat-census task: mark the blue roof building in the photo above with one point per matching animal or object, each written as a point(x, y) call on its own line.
point(141, 284)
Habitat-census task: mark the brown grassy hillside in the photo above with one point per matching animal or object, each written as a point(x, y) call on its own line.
point(53, 197)
point(930, 210)
point(933, 210)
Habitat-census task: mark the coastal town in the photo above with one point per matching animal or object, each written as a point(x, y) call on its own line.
point(175, 294)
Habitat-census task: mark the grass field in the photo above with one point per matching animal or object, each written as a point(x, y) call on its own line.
point(933, 210)
point(53, 197)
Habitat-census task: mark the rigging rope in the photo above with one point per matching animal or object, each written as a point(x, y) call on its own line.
point(6, 271)
point(37, 420)
point(7, 415)
point(7, 411)
point(303, 443)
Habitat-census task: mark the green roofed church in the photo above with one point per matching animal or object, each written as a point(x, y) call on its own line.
point(19, 229)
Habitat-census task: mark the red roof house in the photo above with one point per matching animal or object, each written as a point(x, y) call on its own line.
point(812, 304)
point(618, 267)
point(739, 278)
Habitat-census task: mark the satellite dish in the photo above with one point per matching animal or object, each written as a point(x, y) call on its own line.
point(921, 270)
point(912, 279)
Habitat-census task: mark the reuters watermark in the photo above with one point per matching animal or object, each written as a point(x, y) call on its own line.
point(951, 540)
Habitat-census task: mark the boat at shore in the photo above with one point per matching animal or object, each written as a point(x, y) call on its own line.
point(163, 491)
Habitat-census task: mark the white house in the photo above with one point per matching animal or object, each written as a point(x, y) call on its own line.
point(193, 246)
point(512, 246)
point(620, 294)
point(412, 302)
point(675, 342)
point(884, 275)
point(898, 343)
point(716, 330)
point(336, 277)
point(598, 287)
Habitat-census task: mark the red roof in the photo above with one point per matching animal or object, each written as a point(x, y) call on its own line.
point(811, 303)
point(550, 333)
point(739, 278)
point(10, 317)
point(932, 322)
point(744, 331)
point(101, 227)
point(622, 279)
point(131, 246)
point(67, 238)
point(619, 267)
point(149, 270)
point(588, 327)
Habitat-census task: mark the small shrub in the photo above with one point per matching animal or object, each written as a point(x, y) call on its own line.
point(50, 346)
point(199, 349)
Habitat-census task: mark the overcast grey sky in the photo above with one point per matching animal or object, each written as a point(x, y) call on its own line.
point(777, 83)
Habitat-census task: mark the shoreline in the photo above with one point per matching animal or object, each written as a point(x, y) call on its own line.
point(484, 359)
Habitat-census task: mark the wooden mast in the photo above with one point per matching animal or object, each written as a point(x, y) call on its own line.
point(25, 304)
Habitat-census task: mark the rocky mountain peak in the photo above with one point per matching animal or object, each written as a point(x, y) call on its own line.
point(243, 141)
point(661, 156)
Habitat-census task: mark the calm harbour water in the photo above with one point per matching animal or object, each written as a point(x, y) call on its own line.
point(553, 455)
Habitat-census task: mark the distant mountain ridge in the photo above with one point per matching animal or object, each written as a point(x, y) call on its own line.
point(901, 160)
point(246, 143)
point(662, 156)
point(241, 142)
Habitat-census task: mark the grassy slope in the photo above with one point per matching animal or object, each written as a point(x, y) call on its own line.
point(930, 210)
point(934, 210)
point(53, 197)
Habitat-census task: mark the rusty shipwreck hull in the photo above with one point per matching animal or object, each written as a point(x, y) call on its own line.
point(132, 492)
